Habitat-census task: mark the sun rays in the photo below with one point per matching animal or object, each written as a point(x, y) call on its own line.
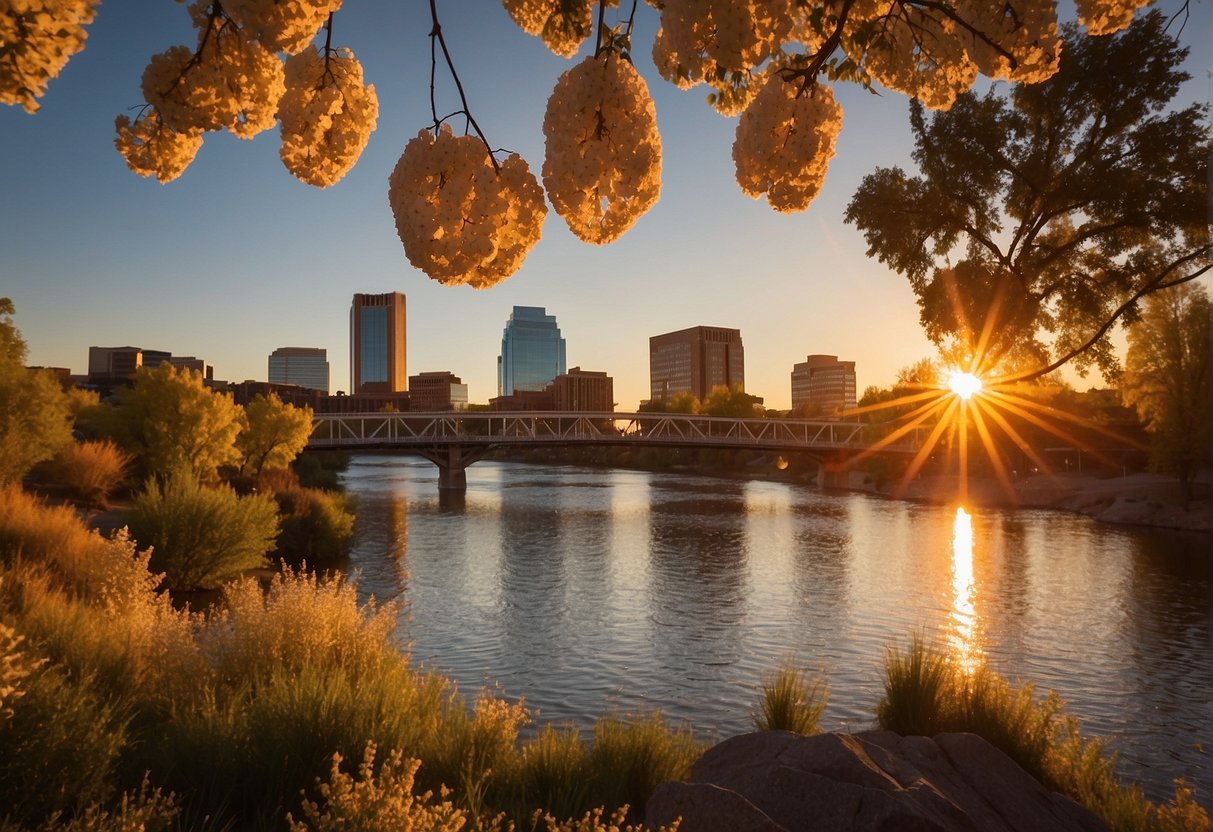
point(980, 413)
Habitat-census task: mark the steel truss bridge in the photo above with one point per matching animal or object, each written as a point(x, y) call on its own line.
point(453, 441)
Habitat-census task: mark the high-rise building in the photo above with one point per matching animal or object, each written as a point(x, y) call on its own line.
point(377, 354)
point(305, 366)
point(823, 386)
point(694, 361)
point(532, 351)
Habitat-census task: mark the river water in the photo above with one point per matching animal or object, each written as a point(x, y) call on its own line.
point(590, 591)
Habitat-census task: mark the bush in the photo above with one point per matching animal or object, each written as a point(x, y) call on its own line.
point(789, 704)
point(91, 470)
point(201, 537)
point(317, 526)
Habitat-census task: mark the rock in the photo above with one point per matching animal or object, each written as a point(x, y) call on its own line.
point(876, 780)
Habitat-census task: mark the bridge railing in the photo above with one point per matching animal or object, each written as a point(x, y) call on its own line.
point(432, 429)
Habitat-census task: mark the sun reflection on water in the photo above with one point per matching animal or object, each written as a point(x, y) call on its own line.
point(963, 618)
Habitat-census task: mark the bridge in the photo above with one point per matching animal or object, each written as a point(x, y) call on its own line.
point(455, 440)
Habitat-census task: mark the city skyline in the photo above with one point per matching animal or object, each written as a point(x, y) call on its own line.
point(96, 255)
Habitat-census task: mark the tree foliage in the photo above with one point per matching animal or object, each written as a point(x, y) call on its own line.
point(733, 401)
point(35, 421)
point(170, 419)
point(274, 433)
point(1041, 215)
point(1167, 379)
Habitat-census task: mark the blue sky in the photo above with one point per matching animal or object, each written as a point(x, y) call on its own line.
point(237, 258)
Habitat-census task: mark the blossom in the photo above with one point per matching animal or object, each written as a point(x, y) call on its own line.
point(151, 147)
point(281, 25)
point(37, 39)
point(784, 143)
point(602, 165)
point(327, 115)
point(460, 220)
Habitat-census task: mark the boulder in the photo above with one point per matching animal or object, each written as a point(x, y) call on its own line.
point(875, 780)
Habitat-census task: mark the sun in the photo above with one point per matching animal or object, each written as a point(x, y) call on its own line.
point(965, 385)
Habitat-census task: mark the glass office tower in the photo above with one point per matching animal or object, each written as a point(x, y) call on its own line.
point(532, 351)
point(377, 356)
point(305, 366)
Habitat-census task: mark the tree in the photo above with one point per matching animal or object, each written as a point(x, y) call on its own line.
point(170, 419)
point(733, 401)
point(273, 434)
point(1167, 380)
point(1041, 216)
point(35, 421)
point(466, 218)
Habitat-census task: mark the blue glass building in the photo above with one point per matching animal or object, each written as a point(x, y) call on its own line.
point(532, 351)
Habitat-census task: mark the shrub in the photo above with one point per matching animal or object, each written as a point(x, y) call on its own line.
point(376, 803)
point(316, 525)
point(91, 470)
point(551, 774)
point(202, 536)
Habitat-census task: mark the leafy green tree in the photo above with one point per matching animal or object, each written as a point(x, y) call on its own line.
point(273, 435)
point(683, 402)
point(169, 418)
point(201, 536)
point(729, 401)
point(1042, 214)
point(1167, 380)
point(35, 421)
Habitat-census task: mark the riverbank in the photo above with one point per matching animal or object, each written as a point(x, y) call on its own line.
point(1133, 500)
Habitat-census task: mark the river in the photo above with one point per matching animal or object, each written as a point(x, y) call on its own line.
point(589, 591)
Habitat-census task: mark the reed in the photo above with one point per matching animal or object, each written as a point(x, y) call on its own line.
point(790, 703)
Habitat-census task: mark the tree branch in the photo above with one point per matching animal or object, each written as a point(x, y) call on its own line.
point(437, 38)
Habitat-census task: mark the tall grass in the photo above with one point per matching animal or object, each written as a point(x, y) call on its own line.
point(92, 470)
point(632, 757)
point(928, 693)
point(790, 703)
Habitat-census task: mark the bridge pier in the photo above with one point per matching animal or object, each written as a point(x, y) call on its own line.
point(452, 462)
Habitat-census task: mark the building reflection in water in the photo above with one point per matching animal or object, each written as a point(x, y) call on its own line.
point(963, 617)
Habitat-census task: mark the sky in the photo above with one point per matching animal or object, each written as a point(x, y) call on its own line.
point(237, 258)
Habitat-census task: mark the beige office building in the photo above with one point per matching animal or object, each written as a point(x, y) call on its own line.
point(694, 361)
point(823, 386)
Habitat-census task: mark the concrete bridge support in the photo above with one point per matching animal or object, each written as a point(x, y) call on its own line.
point(452, 462)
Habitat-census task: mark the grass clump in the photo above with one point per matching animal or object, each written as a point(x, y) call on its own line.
point(790, 703)
point(926, 693)
point(632, 757)
point(91, 470)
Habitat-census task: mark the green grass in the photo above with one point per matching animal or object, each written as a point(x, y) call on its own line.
point(790, 703)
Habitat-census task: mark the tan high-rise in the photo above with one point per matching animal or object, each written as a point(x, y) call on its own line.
point(694, 361)
point(377, 353)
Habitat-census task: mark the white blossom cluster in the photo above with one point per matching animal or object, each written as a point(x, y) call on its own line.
point(230, 82)
point(1105, 17)
point(912, 52)
point(563, 25)
point(460, 220)
point(707, 41)
point(602, 162)
point(152, 148)
point(784, 143)
point(327, 115)
point(281, 25)
point(37, 38)
point(1021, 40)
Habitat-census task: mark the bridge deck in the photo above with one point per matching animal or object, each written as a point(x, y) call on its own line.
point(430, 431)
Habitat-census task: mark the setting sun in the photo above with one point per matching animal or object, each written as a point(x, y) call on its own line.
point(965, 385)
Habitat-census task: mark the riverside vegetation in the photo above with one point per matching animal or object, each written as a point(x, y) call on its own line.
point(291, 706)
